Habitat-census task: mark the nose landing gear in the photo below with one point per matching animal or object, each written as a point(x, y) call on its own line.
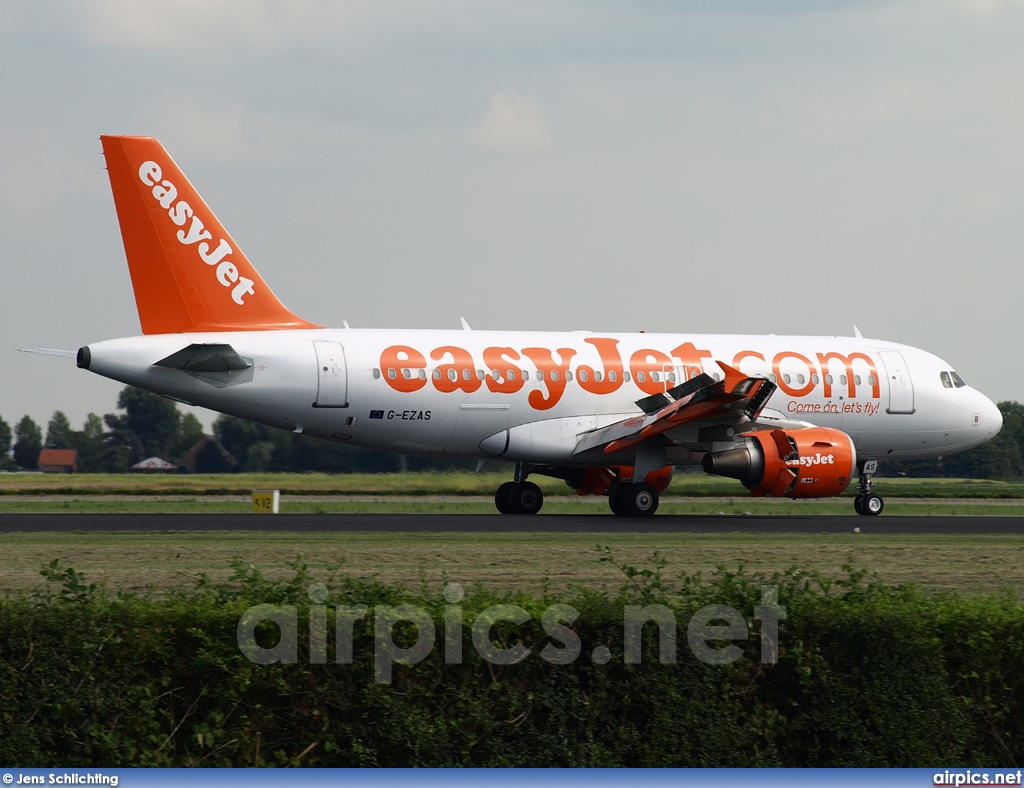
point(867, 503)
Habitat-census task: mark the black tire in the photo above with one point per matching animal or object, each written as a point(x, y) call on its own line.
point(526, 498)
point(615, 497)
point(858, 504)
point(872, 505)
point(640, 500)
point(502, 498)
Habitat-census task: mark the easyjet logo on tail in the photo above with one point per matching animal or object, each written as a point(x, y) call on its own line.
point(182, 214)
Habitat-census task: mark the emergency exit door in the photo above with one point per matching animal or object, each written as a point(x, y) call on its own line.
point(901, 387)
point(332, 372)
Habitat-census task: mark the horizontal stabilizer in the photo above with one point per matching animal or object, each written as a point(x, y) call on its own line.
point(45, 351)
point(205, 358)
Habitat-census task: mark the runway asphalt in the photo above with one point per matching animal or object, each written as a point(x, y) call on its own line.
point(494, 523)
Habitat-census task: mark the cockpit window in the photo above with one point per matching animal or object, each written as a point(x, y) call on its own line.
point(958, 381)
point(946, 382)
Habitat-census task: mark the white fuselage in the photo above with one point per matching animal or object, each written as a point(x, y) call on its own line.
point(393, 390)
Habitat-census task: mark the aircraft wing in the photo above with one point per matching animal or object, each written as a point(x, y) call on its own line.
point(701, 397)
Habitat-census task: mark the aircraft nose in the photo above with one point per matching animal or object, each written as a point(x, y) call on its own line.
point(991, 417)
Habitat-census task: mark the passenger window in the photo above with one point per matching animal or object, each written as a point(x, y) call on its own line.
point(466, 375)
point(511, 375)
point(958, 381)
point(842, 380)
point(540, 374)
point(787, 378)
point(526, 374)
point(654, 377)
point(611, 376)
point(437, 374)
point(480, 374)
point(598, 376)
point(495, 374)
point(871, 380)
point(772, 377)
point(946, 382)
point(856, 380)
point(392, 374)
point(828, 379)
point(376, 373)
point(568, 375)
point(626, 376)
point(800, 380)
point(407, 374)
point(583, 375)
point(814, 379)
point(554, 374)
point(453, 375)
point(672, 377)
point(640, 376)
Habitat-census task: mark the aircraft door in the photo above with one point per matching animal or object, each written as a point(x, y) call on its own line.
point(332, 386)
point(901, 387)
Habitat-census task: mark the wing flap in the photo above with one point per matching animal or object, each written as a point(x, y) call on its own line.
point(699, 398)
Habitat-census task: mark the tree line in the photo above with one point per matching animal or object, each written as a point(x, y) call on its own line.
point(148, 425)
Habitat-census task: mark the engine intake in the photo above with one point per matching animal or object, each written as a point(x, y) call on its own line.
point(814, 463)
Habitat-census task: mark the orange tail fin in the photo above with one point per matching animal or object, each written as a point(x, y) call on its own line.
point(187, 272)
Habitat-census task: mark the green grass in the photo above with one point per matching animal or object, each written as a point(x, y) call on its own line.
point(971, 564)
point(461, 483)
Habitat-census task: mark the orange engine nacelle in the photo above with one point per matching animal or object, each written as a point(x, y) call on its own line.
point(812, 463)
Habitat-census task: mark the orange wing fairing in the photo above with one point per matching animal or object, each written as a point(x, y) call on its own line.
point(187, 272)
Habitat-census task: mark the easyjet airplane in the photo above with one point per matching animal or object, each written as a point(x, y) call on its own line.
point(611, 414)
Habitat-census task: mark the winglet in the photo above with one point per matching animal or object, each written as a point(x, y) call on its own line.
point(187, 272)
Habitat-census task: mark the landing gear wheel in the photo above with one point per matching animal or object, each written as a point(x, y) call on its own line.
point(872, 505)
point(640, 500)
point(616, 495)
point(525, 498)
point(503, 497)
point(867, 503)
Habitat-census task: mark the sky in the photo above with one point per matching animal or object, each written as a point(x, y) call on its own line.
point(717, 166)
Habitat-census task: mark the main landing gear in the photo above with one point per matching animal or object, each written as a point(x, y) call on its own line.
point(626, 498)
point(519, 496)
point(632, 500)
point(867, 503)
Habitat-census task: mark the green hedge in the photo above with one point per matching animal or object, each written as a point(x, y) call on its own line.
point(868, 675)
